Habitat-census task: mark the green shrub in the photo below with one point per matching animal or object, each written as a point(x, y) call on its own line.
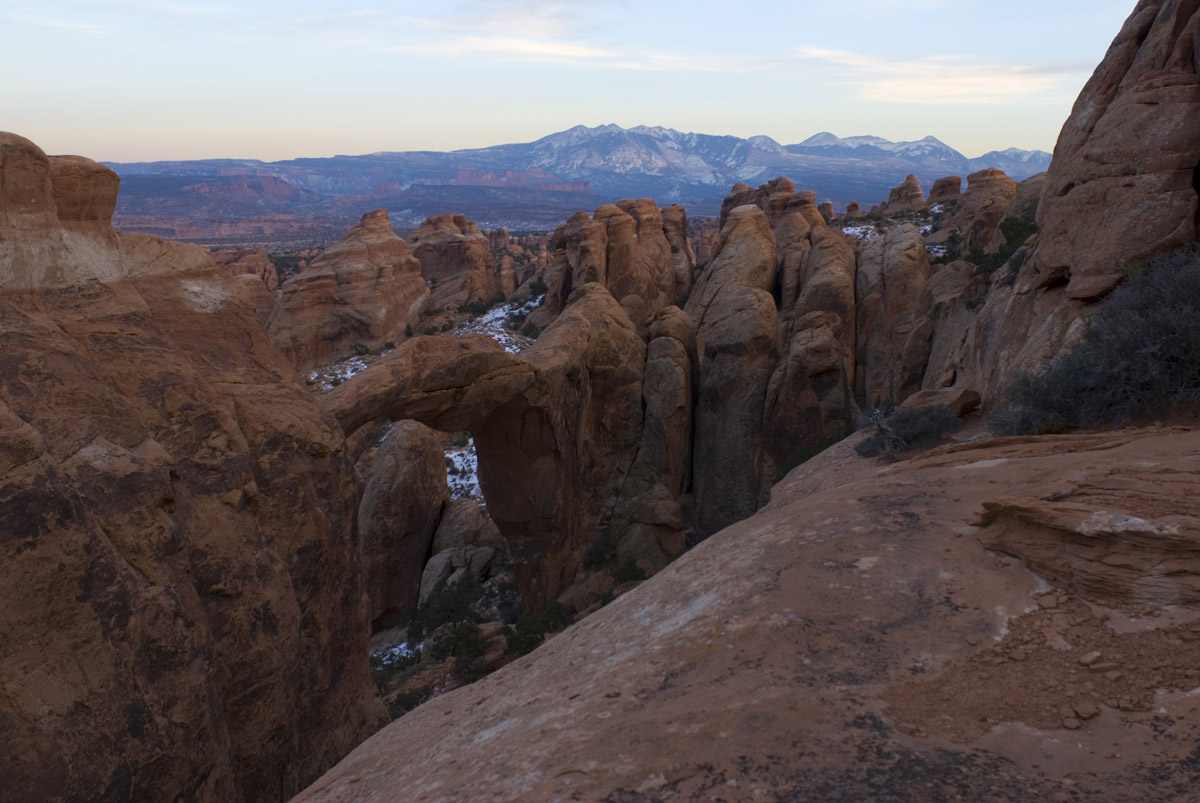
point(908, 428)
point(360, 349)
point(531, 331)
point(449, 603)
point(530, 631)
point(388, 346)
point(1138, 357)
point(538, 286)
point(627, 572)
point(406, 701)
point(431, 330)
point(463, 642)
point(408, 330)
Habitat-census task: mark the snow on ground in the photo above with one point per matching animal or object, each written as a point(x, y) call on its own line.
point(936, 251)
point(861, 232)
point(330, 376)
point(462, 471)
point(927, 229)
point(936, 209)
point(396, 654)
point(494, 323)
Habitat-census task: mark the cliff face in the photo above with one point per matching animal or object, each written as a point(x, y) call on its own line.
point(1122, 188)
point(861, 636)
point(178, 616)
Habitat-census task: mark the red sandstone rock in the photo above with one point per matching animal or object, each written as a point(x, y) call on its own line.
point(253, 261)
point(180, 618)
point(908, 197)
point(364, 289)
point(456, 261)
point(1121, 189)
point(945, 190)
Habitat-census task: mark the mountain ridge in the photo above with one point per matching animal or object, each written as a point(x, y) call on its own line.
point(537, 184)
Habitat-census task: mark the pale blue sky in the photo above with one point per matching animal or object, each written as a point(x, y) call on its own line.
point(128, 80)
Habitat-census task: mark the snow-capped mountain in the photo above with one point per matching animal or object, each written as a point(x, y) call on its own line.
point(535, 183)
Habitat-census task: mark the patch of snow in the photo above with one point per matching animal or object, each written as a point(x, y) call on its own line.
point(936, 209)
point(937, 251)
point(398, 653)
point(494, 324)
point(330, 376)
point(927, 229)
point(462, 471)
point(861, 232)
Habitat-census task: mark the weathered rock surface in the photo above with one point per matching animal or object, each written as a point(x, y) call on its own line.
point(945, 190)
point(738, 342)
point(252, 261)
point(177, 619)
point(1122, 187)
point(445, 382)
point(456, 261)
point(981, 208)
point(363, 289)
point(401, 505)
point(908, 197)
point(641, 270)
point(892, 272)
point(553, 460)
point(810, 397)
point(636, 251)
point(925, 662)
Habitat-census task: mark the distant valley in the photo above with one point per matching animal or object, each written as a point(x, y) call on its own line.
point(526, 186)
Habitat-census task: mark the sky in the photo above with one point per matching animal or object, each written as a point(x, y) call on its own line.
point(126, 80)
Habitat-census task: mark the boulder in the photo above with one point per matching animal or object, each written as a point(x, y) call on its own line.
point(363, 289)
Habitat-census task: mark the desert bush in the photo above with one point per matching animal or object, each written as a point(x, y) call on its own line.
point(450, 603)
point(406, 701)
point(531, 331)
point(1138, 357)
point(627, 572)
point(530, 631)
point(908, 428)
point(463, 642)
point(538, 286)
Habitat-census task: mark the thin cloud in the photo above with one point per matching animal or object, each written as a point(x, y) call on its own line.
point(941, 80)
point(38, 21)
point(524, 47)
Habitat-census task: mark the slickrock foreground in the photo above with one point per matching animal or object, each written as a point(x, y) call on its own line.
point(855, 641)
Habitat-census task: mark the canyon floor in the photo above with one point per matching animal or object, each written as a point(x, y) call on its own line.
point(852, 641)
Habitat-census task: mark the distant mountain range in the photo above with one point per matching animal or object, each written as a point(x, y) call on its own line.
point(528, 185)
